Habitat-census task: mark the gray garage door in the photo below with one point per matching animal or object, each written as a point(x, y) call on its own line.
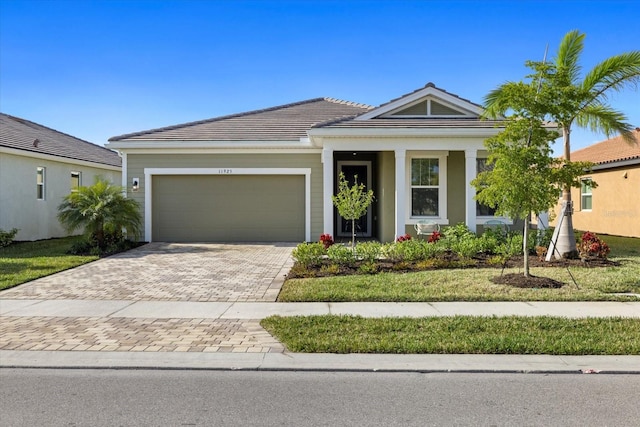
point(238, 208)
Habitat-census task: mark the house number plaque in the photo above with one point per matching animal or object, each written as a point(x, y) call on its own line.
point(225, 171)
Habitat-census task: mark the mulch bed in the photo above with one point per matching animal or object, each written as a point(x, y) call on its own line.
point(450, 261)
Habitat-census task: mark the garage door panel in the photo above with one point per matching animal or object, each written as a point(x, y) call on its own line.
point(228, 208)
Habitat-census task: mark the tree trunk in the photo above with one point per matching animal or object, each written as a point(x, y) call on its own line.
point(525, 244)
point(566, 244)
point(353, 235)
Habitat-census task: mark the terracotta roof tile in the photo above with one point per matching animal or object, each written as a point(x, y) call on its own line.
point(608, 151)
point(25, 135)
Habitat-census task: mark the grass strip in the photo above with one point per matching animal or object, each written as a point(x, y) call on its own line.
point(457, 335)
point(21, 262)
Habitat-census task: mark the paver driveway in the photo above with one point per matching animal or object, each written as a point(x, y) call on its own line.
point(171, 272)
point(154, 272)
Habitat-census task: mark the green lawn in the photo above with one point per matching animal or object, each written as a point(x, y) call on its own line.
point(24, 261)
point(595, 284)
point(457, 335)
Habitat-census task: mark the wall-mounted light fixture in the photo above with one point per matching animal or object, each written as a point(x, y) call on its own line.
point(624, 175)
point(135, 184)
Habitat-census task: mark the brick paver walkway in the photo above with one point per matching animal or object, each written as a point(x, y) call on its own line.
point(123, 334)
point(171, 272)
point(156, 272)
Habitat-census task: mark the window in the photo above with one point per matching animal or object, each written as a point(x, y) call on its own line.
point(425, 187)
point(75, 181)
point(40, 179)
point(585, 194)
point(483, 210)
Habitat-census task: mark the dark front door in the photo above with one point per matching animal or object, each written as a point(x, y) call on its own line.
point(351, 170)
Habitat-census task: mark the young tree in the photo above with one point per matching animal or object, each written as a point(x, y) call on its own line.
point(352, 203)
point(100, 209)
point(568, 100)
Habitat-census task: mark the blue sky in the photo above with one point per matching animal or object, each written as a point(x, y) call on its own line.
point(96, 69)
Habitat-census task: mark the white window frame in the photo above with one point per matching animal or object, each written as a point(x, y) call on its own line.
point(41, 194)
point(73, 190)
point(589, 194)
point(441, 156)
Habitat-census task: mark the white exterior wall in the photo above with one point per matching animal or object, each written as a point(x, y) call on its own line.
point(19, 206)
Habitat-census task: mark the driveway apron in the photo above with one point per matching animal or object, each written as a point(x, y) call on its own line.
point(198, 272)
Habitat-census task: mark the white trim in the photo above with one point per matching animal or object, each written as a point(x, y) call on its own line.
point(442, 157)
point(462, 114)
point(422, 93)
point(50, 157)
point(190, 144)
point(400, 193)
point(327, 190)
point(368, 132)
point(217, 150)
point(150, 172)
point(470, 173)
point(124, 174)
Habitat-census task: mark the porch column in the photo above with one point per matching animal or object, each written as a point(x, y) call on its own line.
point(327, 190)
point(470, 156)
point(400, 201)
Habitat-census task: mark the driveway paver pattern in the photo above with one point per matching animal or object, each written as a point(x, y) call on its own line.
point(171, 272)
point(155, 272)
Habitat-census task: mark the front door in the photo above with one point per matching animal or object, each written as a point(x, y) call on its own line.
point(362, 170)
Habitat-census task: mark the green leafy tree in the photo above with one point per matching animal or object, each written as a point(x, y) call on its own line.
point(568, 100)
point(352, 202)
point(100, 209)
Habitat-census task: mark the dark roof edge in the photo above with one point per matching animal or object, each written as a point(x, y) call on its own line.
point(71, 158)
point(61, 133)
point(235, 115)
point(612, 164)
point(431, 84)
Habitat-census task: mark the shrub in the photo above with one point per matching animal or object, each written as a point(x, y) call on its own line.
point(467, 247)
point(403, 238)
point(435, 236)
point(592, 246)
point(489, 241)
point(308, 254)
point(458, 232)
point(341, 255)
point(368, 251)
point(6, 237)
point(368, 268)
point(330, 269)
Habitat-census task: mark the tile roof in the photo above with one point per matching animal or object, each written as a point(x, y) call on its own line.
point(282, 123)
point(609, 151)
point(25, 135)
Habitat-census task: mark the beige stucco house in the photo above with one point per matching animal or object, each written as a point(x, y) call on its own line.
point(613, 207)
point(268, 175)
point(38, 167)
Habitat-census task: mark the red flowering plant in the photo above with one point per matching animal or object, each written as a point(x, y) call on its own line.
point(326, 240)
point(434, 237)
point(403, 238)
point(592, 246)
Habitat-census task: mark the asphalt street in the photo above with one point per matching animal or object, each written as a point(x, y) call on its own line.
point(76, 397)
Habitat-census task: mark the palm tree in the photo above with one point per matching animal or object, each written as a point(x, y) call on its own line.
point(100, 209)
point(569, 101)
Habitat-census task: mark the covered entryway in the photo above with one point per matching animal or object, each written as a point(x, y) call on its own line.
point(228, 207)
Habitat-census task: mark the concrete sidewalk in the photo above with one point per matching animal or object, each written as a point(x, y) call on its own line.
point(260, 310)
point(227, 336)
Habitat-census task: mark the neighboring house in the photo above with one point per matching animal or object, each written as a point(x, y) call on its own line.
point(613, 207)
point(38, 167)
point(268, 175)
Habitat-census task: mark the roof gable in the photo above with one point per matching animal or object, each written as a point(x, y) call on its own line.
point(288, 122)
point(21, 134)
point(427, 102)
point(609, 151)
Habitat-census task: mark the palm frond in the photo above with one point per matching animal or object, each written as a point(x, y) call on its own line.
point(567, 58)
point(599, 117)
point(613, 74)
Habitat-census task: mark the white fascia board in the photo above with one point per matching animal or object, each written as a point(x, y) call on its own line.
point(315, 150)
point(417, 144)
point(483, 132)
point(437, 93)
point(50, 157)
point(124, 144)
